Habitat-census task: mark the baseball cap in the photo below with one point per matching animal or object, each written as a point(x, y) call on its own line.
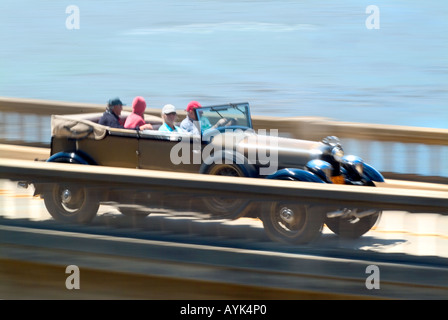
point(115, 102)
point(193, 105)
point(168, 108)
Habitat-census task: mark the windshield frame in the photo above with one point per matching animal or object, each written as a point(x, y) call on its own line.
point(219, 110)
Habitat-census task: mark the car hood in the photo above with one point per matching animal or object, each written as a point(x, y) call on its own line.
point(285, 152)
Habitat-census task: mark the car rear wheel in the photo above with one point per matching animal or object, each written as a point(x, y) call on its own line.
point(226, 207)
point(292, 223)
point(71, 203)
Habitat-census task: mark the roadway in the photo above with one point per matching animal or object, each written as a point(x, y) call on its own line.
point(415, 234)
point(172, 256)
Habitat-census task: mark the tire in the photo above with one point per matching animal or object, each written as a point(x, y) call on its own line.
point(345, 228)
point(349, 228)
point(292, 223)
point(71, 203)
point(224, 207)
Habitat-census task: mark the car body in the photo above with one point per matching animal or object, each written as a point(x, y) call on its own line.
point(228, 145)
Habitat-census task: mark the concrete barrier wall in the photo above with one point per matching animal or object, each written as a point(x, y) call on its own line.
point(389, 148)
point(418, 197)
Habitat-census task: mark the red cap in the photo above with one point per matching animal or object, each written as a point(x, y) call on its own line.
point(193, 105)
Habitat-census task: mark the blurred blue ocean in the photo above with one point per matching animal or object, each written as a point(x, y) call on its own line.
point(286, 58)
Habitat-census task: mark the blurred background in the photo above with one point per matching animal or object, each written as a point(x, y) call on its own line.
point(286, 58)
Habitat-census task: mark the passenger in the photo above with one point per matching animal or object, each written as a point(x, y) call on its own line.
point(190, 123)
point(169, 117)
point(135, 120)
point(111, 117)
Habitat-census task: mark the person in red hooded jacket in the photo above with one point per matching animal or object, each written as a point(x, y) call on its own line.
point(135, 120)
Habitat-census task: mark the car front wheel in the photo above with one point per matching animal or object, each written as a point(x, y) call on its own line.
point(352, 227)
point(292, 223)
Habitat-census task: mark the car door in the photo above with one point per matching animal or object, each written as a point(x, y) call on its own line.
point(169, 151)
point(117, 149)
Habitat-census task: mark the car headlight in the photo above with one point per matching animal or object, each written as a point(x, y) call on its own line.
point(360, 168)
point(354, 162)
point(337, 153)
point(320, 168)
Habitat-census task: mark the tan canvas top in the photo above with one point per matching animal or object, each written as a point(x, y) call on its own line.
point(85, 125)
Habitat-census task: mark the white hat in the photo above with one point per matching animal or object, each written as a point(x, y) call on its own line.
point(168, 108)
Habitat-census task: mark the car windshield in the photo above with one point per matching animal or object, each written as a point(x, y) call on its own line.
point(229, 115)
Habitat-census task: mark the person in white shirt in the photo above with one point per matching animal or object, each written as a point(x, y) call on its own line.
point(190, 123)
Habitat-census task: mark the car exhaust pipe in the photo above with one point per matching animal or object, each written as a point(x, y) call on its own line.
point(347, 213)
point(338, 213)
point(365, 213)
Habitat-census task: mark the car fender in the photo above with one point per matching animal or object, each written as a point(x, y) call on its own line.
point(295, 174)
point(72, 157)
point(372, 174)
point(63, 157)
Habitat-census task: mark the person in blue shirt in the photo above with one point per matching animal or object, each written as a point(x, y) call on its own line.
point(169, 117)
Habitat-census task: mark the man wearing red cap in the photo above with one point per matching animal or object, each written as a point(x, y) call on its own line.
point(190, 123)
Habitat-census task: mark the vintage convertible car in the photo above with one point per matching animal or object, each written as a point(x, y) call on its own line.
point(228, 145)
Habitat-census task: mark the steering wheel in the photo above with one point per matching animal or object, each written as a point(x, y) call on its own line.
point(208, 134)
